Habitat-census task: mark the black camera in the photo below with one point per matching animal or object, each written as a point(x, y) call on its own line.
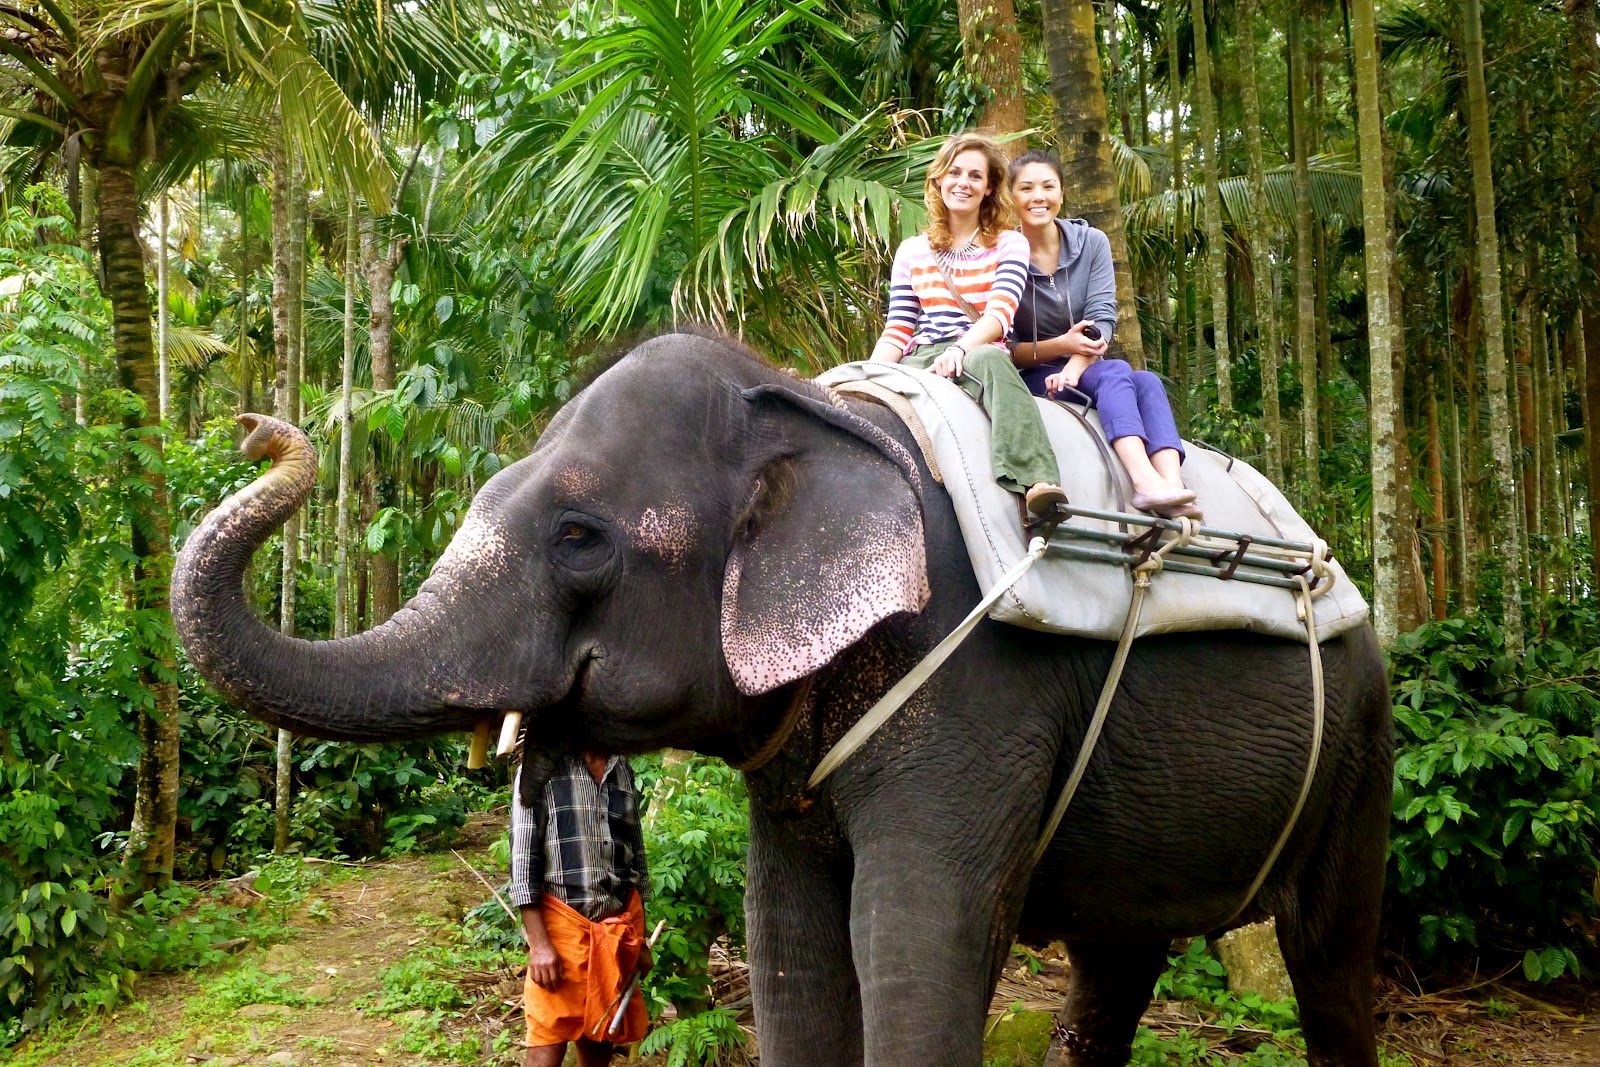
point(1092, 332)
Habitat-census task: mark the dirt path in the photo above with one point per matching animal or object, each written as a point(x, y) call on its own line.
point(372, 938)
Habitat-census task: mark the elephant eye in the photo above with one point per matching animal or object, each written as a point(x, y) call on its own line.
point(579, 543)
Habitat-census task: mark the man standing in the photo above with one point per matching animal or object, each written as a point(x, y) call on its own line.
point(578, 873)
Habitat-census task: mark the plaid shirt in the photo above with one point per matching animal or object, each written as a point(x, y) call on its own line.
point(592, 852)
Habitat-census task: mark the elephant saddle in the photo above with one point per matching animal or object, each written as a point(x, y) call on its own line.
point(1087, 593)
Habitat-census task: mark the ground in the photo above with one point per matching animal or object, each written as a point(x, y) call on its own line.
point(372, 971)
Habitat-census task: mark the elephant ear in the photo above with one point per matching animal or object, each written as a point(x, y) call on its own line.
point(831, 542)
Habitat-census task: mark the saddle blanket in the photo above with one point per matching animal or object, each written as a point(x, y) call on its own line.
point(1089, 598)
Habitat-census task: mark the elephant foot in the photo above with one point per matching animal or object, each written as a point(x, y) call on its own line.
point(1072, 1048)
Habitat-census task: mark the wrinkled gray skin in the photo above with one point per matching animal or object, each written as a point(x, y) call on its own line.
point(695, 533)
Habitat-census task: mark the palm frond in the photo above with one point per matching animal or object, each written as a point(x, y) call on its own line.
point(195, 348)
point(326, 130)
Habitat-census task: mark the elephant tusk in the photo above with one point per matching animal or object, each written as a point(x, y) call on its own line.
point(508, 732)
point(478, 754)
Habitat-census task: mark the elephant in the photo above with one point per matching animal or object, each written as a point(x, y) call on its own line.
point(706, 553)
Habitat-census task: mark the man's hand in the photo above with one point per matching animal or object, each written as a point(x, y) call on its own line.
point(544, 965)
point(647, 959)
point(1068, 376)
point(1079, 345)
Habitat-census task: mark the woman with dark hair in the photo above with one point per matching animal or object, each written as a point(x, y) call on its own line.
point(952, 295)
point(1062, 328)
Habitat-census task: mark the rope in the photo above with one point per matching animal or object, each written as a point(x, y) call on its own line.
point(1150, 565)
point(1318, 715)
point(891, 701)
point(763, 755)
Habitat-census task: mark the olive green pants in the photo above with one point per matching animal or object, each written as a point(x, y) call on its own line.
point(1021, 452)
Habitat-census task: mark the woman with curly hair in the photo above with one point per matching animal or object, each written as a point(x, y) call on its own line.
point(952, 295)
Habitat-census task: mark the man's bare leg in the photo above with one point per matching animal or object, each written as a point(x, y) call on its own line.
point(594, 1053)
point(548, 1055)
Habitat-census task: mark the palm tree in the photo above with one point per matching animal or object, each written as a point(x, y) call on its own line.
point(676, 137)
point(1380, 326)
point(1490, 307)
point(1265, 312)
point(1216, 250)
point(1305, 344)
point(993, 52)
point(120, 78)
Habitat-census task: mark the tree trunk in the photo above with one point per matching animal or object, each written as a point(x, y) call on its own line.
point(352, 268)
point(1494, 341)
point(89, 191)
point(1216, 250)
point(1527, 394)
point(1266, 312)
point(1119, 84)
point(1089, 181)
point(1305, 343)
point(381, 266)
point(163, 312)
point(244, 356)
point(1584, 51)
point(1436, 528)
point(286, 404)
point(152, 836)
point(1180, 243)
point(993, 51)
point(1380, 327)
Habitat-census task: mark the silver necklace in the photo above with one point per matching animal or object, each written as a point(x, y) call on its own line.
point(949, 256)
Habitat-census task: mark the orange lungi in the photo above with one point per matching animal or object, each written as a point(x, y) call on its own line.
point(597, 961)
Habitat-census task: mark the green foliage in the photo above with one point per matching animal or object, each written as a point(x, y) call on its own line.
point(696, 835)
point(1495, 830)
point(57, 793)
point(1197, 976)
point(695, 1039)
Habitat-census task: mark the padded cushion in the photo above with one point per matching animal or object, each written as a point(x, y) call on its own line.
point(1090, 599)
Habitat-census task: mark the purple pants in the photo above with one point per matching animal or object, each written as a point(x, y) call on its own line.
point(1132, 403)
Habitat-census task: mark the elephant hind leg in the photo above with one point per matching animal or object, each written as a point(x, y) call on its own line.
point(1331, 961)
point(1110, 988)
point(1329, 937)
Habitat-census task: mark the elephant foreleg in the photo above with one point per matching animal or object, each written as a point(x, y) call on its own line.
point(808, 1006)
point(1110, 988)
point(925, 936)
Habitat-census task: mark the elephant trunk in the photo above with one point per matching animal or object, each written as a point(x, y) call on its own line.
point(396, 681)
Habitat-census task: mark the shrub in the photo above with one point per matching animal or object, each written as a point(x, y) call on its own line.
point(1495, 830)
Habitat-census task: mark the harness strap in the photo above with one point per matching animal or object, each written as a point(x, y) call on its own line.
point(891, 701)
point(901, 406)
point(1318, 716)
point(1130, 626)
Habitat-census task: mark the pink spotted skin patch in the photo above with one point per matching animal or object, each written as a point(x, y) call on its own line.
point(782, 622)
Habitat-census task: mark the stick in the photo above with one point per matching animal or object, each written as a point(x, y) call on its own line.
point(498, 898)
point(633, 986)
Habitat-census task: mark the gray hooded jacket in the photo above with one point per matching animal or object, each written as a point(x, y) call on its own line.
point(1084, 286)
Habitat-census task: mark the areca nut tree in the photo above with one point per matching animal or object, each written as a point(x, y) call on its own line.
point(1380, 325)
point(111, 77)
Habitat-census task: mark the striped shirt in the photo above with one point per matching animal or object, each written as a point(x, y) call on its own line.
point(582, 844)
point(922, 310)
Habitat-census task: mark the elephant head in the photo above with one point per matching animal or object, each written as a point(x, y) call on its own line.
point(694, 532)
